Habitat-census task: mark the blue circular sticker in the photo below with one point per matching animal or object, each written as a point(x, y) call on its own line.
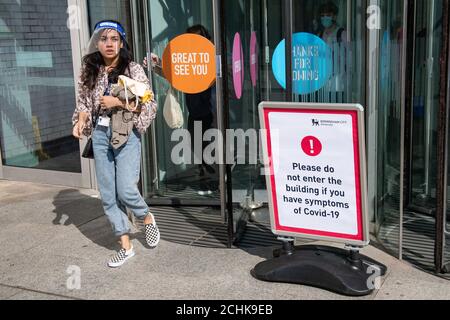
point(311, 63)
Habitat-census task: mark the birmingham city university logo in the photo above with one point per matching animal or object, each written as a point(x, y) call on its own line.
point(315, 122)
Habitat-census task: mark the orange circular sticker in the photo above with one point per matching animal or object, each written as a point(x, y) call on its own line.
point(189, 63)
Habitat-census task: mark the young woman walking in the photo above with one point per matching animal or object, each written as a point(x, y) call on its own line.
point(117, 165)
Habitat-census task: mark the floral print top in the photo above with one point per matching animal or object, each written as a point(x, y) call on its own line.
point(89, 100)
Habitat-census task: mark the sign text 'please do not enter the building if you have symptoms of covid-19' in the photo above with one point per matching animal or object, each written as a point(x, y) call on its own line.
point(315, 156)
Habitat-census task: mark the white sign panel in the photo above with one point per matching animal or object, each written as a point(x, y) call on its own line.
point(317, 180)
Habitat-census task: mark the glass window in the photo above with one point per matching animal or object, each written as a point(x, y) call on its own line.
point(37, 95)
point(339, 25)
point(264, 21)
point(272, 34)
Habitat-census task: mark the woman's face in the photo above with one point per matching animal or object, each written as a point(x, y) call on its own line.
point(110, 44)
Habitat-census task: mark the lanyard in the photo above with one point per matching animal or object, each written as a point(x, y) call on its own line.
point(107, 93)
point(108, 87)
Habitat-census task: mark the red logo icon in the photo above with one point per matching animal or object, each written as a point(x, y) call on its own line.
point(311, 146)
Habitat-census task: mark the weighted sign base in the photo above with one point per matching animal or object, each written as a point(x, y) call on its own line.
point(334, 269)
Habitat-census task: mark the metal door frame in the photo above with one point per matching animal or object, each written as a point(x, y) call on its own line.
point(372, 88)
point(443, 131)
point(1, 163)
point(226, 186)
point(446, 264)
point(221, 102)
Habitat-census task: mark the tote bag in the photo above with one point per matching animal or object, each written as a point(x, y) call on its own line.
point(172, 111)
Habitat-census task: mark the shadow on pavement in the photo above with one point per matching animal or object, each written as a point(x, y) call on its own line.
point(183, 225)
point(86, 214)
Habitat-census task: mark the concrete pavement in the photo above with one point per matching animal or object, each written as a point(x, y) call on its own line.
point(56, 242)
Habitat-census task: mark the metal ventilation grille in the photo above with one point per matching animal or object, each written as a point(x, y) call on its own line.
point(258, 234)
point(418, 238)
point(188, 193)
point(203, 227)
point(193, 226)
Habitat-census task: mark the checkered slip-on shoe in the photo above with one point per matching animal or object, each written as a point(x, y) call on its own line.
point(152, 234)
point(121, 257)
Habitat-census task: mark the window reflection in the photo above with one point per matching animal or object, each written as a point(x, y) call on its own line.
point(37, 93)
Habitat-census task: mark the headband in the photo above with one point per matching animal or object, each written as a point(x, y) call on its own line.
point(111, 25)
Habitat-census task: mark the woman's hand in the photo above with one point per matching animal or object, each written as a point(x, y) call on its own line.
point(109, 102)
point(155, 60)
point(78, 129)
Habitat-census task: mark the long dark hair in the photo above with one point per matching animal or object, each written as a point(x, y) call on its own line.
point(199, 29)
point(92, 63)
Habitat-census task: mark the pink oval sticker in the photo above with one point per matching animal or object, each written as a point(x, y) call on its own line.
point(238, 66)
point(253, 59)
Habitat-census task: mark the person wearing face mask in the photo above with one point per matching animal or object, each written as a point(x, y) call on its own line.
point(331, 31)
point(336, 38)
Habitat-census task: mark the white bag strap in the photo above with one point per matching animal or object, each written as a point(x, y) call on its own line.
point(126, 94)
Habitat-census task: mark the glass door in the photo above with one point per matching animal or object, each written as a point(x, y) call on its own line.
point(243, 34)
point(165, 179)
point(391, 45)
point(428, 40)
point(410, 134)
point(426, 104)
point(419, 218)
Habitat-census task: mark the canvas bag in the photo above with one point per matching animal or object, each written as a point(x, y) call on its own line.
point(138, 89)
point(172, 111)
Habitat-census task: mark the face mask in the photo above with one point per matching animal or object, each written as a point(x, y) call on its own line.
point(99, 29)
point(327, 21)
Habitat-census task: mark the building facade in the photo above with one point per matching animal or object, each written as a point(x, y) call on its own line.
point(392, 57)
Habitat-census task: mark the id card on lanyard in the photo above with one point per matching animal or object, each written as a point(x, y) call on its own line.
point(104, 120)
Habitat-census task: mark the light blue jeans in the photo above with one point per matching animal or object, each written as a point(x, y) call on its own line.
point(117, 174)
